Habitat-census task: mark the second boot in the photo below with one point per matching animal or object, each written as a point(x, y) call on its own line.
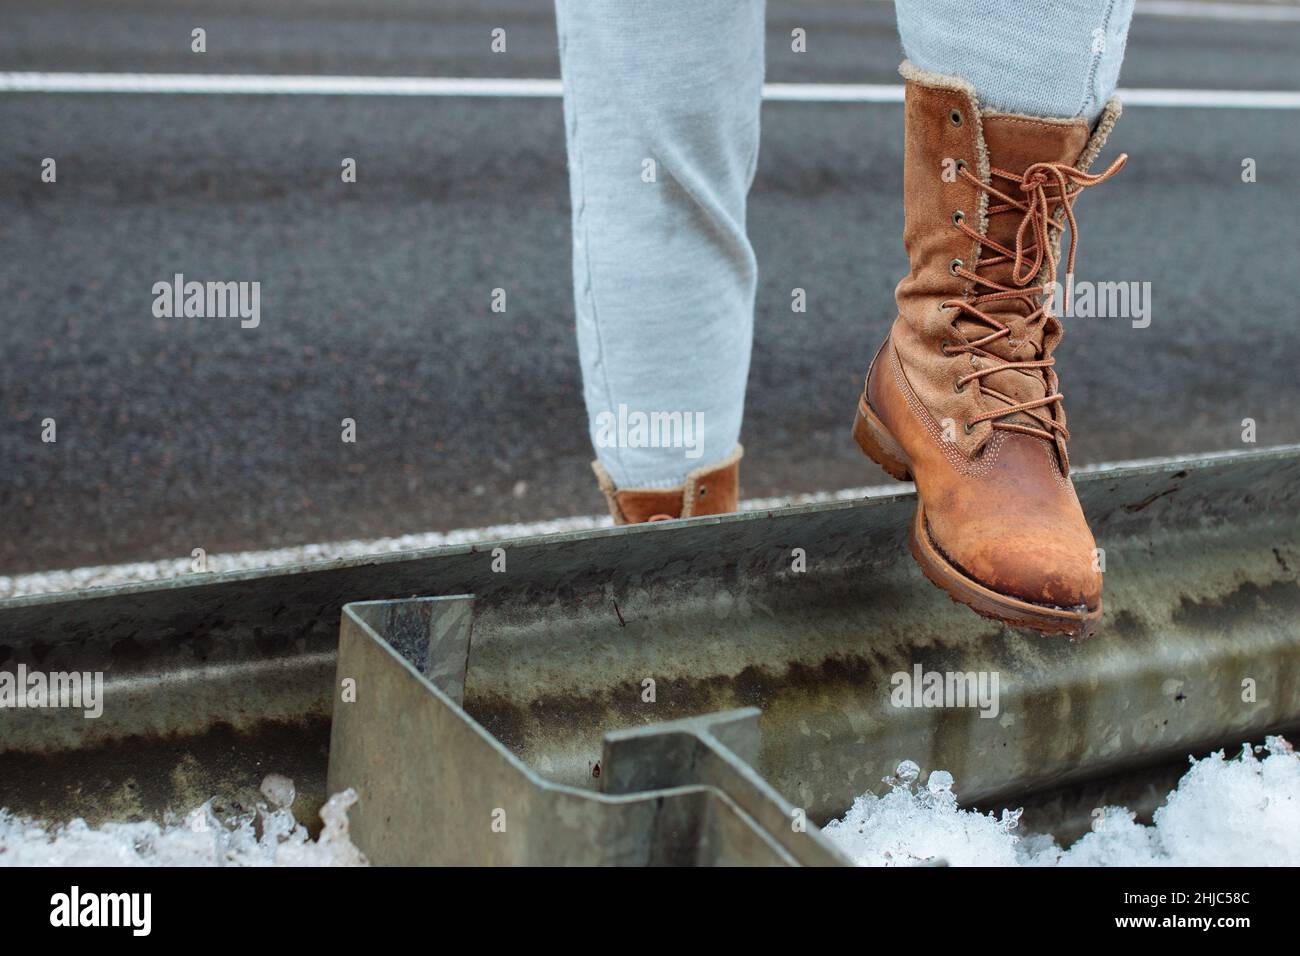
point(711, 490)
point(962, 397)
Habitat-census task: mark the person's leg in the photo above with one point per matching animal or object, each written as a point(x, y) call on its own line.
point(661, 104)
point(1057, 59)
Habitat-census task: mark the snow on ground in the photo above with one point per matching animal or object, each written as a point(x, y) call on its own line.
point(269, 836)
point(1242, 811)
point(1235, 811)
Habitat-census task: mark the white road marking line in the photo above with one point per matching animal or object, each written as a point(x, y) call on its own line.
point(233, 84)
point(1226, 99)
point(1192, 10)
point(275, 84)
point(1201, 10)
point(833, 92)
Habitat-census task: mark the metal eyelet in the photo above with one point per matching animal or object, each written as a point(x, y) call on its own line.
point(955, 117)
point(969, 427)
point(961, 164)
point(704, 490)
point(958, 218)
point(954, 266)
point(958, 387)
point(943, 347)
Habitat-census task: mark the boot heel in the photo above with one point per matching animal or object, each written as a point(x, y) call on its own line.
point(878, 445)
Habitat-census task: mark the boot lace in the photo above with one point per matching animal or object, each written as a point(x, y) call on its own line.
point(1043, 187)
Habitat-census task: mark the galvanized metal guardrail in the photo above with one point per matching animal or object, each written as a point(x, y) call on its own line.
point(214, 681)
point(440, 789)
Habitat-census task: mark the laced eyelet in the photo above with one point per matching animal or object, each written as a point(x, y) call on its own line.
point(961, 164)
point(958, 218)
point(969, 427)
point(943, 347)
point(954, 266)
point(955, 117)
point(958, 387)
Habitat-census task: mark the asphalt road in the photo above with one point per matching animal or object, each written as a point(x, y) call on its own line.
point(176, 434)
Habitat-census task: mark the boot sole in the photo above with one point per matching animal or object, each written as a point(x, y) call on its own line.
point(879, 445)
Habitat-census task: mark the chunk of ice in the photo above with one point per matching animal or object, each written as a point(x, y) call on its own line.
point(278, 790)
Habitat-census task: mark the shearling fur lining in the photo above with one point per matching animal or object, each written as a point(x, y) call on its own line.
point(606, 485)
point(910, 71)
point(687, 490)
point(1105, 123)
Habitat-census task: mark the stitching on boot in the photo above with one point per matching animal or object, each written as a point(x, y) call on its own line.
point(954, 456)
point(1061, 478)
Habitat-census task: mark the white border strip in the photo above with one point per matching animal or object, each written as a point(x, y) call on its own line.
point(1195, 10)
point(1278, 11)
point(255, 84)
point(833, 92)
point(237, 84)
point(1224, 99)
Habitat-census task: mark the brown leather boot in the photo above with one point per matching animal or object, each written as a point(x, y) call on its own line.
point(714, 490)
point(962, 397)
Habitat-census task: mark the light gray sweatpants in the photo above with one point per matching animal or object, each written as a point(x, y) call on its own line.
point(661, 107)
